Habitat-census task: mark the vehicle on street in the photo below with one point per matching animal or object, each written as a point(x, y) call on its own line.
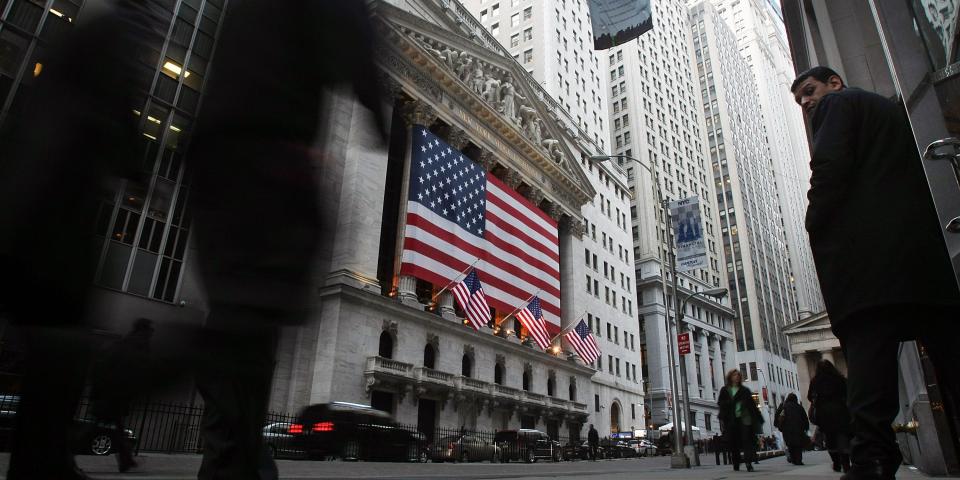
point(614, 448)
point(643, 447)
point(279, 441)
point(464, 448)
point(86, 436)
point(354, 432)
point(580, 451)
point(527, 445)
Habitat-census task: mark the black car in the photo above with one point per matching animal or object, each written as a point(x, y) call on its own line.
point(527, 445)
point(580, 451)
point(617, 448)
point(86, 437)
point(279, 441)
point(354, 432)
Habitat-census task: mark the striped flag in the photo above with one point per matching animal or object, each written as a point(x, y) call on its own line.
point(584, 343)
point(458, 213)
point(531, 317)
point(469, 293)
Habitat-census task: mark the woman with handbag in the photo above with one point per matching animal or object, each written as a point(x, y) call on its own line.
point(792, 422)
point(828, 410)
point(740, 420)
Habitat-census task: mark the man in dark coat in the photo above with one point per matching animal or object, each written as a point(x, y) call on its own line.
point(880, 256)
point(255, 192)
point(593, 440)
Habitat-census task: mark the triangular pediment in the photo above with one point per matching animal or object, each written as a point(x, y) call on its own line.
point(476, 69)
point(814, 322)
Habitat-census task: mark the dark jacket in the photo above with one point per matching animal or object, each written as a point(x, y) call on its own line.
point(593, 438)
point(793, 423)
point(828, 396)
point(873, 229)
point(727, 403)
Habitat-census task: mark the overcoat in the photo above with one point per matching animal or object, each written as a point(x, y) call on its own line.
point(727, 414)
point(873, 229)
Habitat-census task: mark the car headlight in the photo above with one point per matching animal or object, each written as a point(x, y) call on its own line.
point(128, 433)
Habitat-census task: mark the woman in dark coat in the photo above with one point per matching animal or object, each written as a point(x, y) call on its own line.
point(740, 420)
point(828, 400)
point(792, 422)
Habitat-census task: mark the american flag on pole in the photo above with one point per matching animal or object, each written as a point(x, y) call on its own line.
point(583, 342)
point(469, 293)
point(531, 317)
point(457, 213)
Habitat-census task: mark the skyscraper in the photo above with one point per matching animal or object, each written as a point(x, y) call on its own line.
point(655, 117)
point(754, 241)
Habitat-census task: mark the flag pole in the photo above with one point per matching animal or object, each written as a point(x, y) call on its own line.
point(444, 289)
point(525, 303)
point(565, 330)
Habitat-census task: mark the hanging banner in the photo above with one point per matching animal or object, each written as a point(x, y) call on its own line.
point(683, 343)
point(616, 22)
point(688, 232)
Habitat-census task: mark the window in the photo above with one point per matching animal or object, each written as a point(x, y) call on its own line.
point(498, 373)
point(526, 380)
point(515, 20)
point(514, 39)
point(483, 15)
point(495, 29)
point(596, 402)
point(386, 345)
point(528, 35)
point(528, 56)
point(466, 366)
point(429, 356)
point(495, 10)
point(527, 13)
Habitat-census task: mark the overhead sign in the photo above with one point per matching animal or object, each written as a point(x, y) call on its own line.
point(683, 343)
point(688, 232)
point(616, 22)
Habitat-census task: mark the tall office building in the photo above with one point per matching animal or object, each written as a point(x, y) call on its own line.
point(554, 42)
point(761, 38)
point(754, 242)
point(655, 118)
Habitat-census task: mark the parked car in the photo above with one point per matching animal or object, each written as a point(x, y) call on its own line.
point(279, 441)
point(579, 451)
point(614, 448)
point(354, 432)
point(643, 447)
point(464, 448)
point(527, 445)
point(86, 436)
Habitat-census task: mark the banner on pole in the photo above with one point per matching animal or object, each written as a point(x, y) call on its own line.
point(688, 232)
point(683, 343)
point(616, 22)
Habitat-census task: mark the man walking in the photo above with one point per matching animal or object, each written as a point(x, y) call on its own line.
point(593, 440)
point(882, 263)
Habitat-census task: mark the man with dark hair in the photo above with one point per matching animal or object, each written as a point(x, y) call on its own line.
point(880, 256)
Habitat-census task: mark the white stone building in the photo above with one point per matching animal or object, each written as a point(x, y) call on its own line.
point(655, 118)
point(554, 42)
point(761, 39)
point(754, 241)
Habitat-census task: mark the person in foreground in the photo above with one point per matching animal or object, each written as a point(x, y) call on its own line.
point(740, 420)
point(879, 252)
point(793, 423)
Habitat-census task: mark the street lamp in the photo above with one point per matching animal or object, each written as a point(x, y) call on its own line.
point(717, 293)
point(678, 459)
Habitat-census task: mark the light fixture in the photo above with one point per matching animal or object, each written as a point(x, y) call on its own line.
point(175, 128)
point(175, 69)
point(154, 120)
point(151, 137)
point(37, 69)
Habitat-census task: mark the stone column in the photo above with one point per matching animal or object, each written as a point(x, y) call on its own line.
point(488, 160)
point(828, 355)
point(804, 373)
point(446, 306)
point(458, 138)
point(407, 291)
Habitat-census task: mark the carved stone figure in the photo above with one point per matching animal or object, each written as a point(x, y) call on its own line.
point(508, 99)
point(491, 90)
point(464, 68)
point(478, 79)
point(530, 123)
point(553, 149)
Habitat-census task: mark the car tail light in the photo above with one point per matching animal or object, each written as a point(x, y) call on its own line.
point(323, 427)
point(295, 428)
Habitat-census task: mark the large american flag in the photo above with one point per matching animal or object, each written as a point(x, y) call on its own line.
point(458, 214)
point(469, 293)
point(531, 317)
point(583, 342)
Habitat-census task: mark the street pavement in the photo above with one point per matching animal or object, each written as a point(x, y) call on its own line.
point(184, 467)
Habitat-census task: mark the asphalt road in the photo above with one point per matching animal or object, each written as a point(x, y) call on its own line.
point(184, 467)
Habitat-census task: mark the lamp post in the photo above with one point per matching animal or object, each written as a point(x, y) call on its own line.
point(678, 459)
point(717, 293)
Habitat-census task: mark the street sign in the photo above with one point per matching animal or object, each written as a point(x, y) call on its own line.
point(683, 343)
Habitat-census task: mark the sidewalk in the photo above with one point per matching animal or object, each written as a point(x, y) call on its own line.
point(184, 467)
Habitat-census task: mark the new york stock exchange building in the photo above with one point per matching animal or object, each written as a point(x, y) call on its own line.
point(388, 331)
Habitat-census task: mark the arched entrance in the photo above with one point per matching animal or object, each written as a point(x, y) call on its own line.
point(615, 417)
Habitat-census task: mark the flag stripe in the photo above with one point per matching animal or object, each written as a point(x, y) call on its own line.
point(535, 327)
point(539, 216)
point(532, 239)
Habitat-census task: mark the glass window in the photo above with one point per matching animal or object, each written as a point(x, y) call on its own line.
point(515, 20)
point(527, 13)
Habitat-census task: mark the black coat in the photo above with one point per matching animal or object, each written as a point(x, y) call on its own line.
point(793, 423)
point(727, 414)
point(873, 229)
point(828, 395)
point(593, 438)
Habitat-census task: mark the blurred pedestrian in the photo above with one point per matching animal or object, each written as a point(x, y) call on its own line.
point(255, 190)
point(885, 273)
point(593, 440)
point(740, 420)
point(792, 421)
point(119, 376)
point(828, 410)
point(76, 136)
